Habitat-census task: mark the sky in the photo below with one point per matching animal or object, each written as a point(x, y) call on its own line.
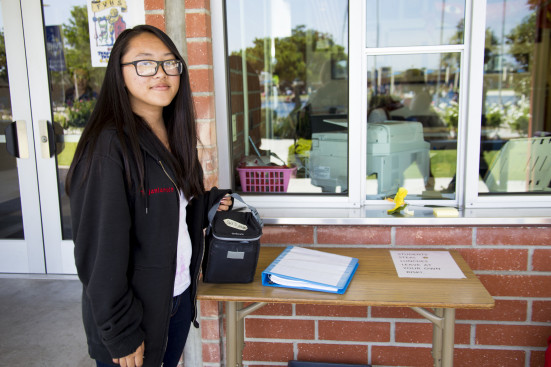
point(263, 20)
point(513, 11)
point(323, 15)
point(330, 16)
point(57, 12)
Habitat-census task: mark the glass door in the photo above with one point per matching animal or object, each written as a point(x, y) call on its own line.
point(21, 244)
point(56, 89)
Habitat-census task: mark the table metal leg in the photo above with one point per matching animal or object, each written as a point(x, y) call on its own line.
point(447, 338)
point(443, 320)
point(235, 331)
point(231, 334)
point(437, 339)
point(240, 334)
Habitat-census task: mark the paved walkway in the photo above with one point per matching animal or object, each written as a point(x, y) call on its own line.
point(40, 323)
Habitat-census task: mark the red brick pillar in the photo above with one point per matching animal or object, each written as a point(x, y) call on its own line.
point(155, 13)
point(199, 47)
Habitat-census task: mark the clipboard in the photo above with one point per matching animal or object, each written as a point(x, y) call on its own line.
point(307, 269)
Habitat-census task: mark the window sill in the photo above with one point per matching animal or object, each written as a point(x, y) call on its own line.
point(423, 216)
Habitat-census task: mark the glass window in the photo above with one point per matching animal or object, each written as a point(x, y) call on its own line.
point(288, 77)
point(515, 154)
point(412, 123)
point(414, 22)
point(74, 85)
point(11, 219)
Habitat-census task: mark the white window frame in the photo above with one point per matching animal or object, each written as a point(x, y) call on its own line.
point(352, 200)
point(472, 198)
point(468, 144)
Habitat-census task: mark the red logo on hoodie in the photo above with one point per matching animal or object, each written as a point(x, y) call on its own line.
point(160, 190)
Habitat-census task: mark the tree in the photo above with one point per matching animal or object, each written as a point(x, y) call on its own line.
point(77, 42)
point(294, 55)
point(521, 40)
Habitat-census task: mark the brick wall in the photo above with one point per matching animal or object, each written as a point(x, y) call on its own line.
point(199, 45)
point(513, 263)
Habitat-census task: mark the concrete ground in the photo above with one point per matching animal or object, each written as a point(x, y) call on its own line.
point(40, 323)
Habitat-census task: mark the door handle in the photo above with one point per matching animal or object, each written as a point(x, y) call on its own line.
point(47, 138)
point(16, 139)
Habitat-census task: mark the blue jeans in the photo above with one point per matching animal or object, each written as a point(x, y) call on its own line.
point(178, 329)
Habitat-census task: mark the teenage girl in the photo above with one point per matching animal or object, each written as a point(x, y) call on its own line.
point(139, 206)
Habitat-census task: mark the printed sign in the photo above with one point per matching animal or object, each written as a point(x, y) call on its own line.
point(426, 264)
point(54, 48)
point(106, 20)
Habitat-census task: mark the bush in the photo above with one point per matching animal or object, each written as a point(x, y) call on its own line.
point(518, 116)
point(450, 114)
point(494, 116)
point(79, 113)
point(61, 119)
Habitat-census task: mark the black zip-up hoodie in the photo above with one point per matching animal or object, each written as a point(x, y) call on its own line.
point(125, 248)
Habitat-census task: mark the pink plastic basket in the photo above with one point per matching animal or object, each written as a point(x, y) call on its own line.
point(265, 178)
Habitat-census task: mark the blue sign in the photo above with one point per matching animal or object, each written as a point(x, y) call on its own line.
point(54, 48)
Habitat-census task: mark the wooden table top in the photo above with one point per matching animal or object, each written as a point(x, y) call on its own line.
point(375, 283)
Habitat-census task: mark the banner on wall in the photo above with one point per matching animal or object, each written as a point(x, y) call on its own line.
point(106, 20)
point(54, 48)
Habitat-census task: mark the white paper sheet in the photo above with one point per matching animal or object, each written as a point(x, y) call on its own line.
point(426, 264)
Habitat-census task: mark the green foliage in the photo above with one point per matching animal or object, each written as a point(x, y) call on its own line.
point(491, 48)
point(299, 58)
point(290, 61)
point(453, 59)
point(61, 119)
point(79, 113)
point(450, 115)
point(518, 116)
point(514, 115)
point(522, 39)
point(3, 60)
point(77, 38)
point(77, 46)
point(494, 116)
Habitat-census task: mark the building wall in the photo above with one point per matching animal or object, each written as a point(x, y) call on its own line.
point(513, 263)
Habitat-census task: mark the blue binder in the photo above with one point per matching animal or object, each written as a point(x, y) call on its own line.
point(302, 268)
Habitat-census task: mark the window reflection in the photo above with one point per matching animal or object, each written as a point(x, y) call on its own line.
point(412, 125)
point(74, 85)
point(11, 219)
point(516, 123)
point(288, 76)
point(414, 22)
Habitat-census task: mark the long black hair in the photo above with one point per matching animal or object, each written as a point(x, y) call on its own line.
point(113, 109)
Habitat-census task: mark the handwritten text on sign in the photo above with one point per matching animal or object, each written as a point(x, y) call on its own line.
point(426, 264)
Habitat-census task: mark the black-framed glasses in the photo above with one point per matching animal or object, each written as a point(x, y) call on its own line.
point(150, 67)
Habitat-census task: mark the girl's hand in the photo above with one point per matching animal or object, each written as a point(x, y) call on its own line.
point(132, 360)
point(225, 203)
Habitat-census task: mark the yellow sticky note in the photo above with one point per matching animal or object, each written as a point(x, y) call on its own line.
point(445, 212)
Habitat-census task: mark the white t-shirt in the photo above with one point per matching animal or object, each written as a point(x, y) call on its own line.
point(183, 254)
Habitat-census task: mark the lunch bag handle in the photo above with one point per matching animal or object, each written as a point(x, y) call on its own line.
point(213, 210)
